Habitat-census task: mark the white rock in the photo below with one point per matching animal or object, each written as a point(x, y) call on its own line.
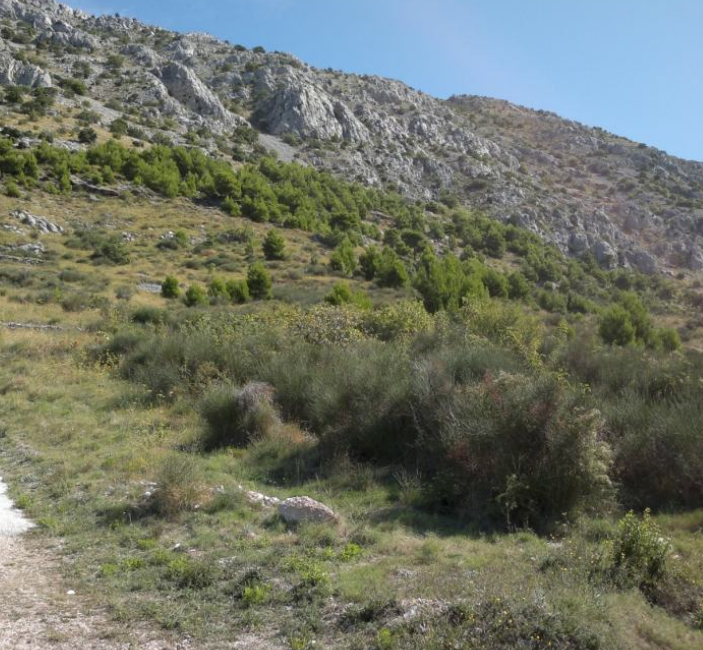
point(304, 509)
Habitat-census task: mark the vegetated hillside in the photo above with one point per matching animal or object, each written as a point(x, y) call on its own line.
point(588, 191)
point(193, 329)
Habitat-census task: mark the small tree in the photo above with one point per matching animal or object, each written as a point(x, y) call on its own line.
point(343, 257)
point(518, 286)
point(274, 246)
point(259, 282)
point(170, 288)
point(369, 261)
point(392, 271)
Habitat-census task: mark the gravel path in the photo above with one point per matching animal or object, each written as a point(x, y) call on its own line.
point(38, 611)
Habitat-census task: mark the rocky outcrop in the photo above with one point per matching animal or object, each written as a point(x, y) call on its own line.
point(186, 88)
point(15, 73)
point(37, 223)
point(308, 112)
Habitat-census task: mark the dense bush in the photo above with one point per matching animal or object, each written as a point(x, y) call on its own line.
point(195, 296)
point(237, 417)
point(170, 288)
point(342, 294)
point(518, 444)
point(259, 282)
point(639, 551)
point(493, 438)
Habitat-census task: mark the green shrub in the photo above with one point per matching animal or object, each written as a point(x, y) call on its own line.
point(639, 553)
point(12, 190)
point(170, 288)
point(342, 294)
point(615, 327)
point(391, 271)
point(195, 296)
point(112, 250)
point(518, 286)
point(521, 446)
point(274, 246)
point(259, 282)
point(218, 289)
point(87, 135)
point(119, 127)
point(237, 417)
point(667, 339)
point(343, 258)
point(148, 315)
point(74, 86)
point(238, 291)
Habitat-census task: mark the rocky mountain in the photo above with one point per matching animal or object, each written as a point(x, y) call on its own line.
point(588, 191)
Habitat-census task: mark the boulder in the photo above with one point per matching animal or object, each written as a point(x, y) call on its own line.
point(605, 254)
point(298, 510)
point(695, 259)
point(578, 243)
point(643, 262)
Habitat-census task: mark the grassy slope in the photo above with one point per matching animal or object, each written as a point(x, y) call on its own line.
point(81, 449)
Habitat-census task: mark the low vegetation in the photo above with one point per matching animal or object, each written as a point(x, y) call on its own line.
point(510, 437)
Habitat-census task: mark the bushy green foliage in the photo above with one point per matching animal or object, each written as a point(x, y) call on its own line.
point(195, 296)
point(519, 444)
point(259, 282)
point(616, 328)
point(170, 288)
point(238, 291)
point(274, 246)
point(403, 392)
point(235, 418)
point(342, 294)
point(74, 86)
point(391, 271)
point(639, 552)
point(87, 135)
point(111, 249)
point(653, 404)
point(343, 258)
point(119, 127)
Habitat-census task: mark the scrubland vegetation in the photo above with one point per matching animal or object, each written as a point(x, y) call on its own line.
point(512, 439)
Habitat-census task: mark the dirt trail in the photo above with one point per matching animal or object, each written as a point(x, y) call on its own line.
point(37, 612)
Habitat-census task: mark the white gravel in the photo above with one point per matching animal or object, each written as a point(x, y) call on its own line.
point(12, 521)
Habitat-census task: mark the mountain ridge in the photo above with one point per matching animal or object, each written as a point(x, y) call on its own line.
point(588, 191)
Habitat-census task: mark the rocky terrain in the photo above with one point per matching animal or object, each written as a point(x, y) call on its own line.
point(586, 190)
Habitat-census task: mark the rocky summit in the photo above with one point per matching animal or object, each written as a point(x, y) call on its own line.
point(588, 191)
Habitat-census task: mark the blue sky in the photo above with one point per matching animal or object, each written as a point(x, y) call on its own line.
point(634, 67)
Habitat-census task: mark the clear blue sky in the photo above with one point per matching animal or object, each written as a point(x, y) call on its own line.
point(634, 67)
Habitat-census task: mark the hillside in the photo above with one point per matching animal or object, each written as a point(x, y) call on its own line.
point(469, 332)
point(588, 191)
